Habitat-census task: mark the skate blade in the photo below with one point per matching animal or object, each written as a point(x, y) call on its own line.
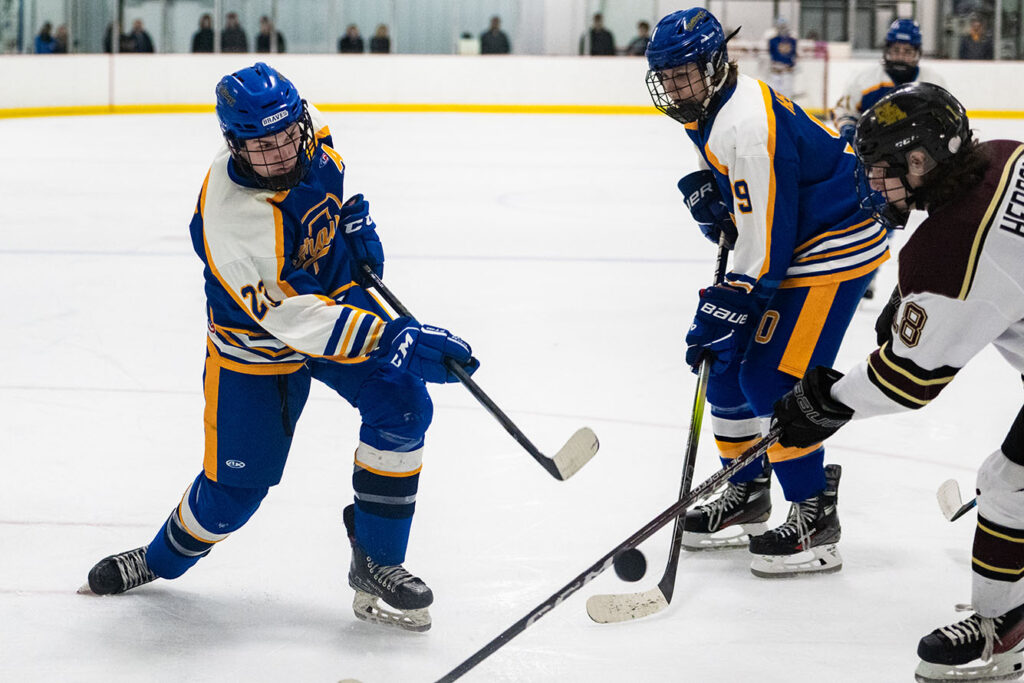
point(370, 608)
point(730, 538)
point(1004, 667)
point(821, 560)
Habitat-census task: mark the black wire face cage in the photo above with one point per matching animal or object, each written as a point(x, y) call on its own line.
point(278, 161)
point(891, 205)
point(675, 100)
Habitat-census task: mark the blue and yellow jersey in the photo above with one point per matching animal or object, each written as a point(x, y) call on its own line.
point(278, 273)
point(868, 87)
point(789, 182)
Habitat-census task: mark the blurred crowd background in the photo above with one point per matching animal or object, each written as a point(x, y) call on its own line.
point(956, 29)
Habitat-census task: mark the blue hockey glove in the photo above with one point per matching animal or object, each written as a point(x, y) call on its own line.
point(722, 326)
point(847, 132)
point(423, 349)
point(360, 234)
point(705, 202)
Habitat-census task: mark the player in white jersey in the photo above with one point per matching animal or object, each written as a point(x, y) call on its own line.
point(778, 186)
point(286, 303)
point(900, 65)
point(961, 288)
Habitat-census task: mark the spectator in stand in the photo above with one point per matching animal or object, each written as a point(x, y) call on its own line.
point(202, 40)
point(267, 31)
point(493, 41)
point(381, 42)
point(233, 38)
point(638, 46)
point(977, 42)
point(61, 36)
point(782, 52)
point(45, 43)
point(351, 42)
point(124, 43)
point(141, 41)
point(602, 42)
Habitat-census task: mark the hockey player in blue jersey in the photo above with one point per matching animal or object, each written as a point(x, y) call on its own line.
point(286, 303)
point(779, 186)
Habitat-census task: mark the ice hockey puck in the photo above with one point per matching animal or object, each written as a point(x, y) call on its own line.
point(631, 565)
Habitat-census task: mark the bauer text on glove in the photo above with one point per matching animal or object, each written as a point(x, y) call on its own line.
point(808, 414)
point(706, 204)
point(722, 326)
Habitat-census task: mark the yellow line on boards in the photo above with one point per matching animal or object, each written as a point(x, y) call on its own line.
point(27, 112)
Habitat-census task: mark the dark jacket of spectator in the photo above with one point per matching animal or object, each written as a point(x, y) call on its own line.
point(45, 43)
point(380, 43)
point(638, 46)
point(351, 42)
point(493, 41)
point(125, 43)
point(976, 43)
point(602, 42)
point(202, 40)
point(61, 36)
point(141, 41)
point(263, 37)
point(233, 38)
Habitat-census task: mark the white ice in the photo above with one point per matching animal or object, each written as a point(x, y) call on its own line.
point(559, 247)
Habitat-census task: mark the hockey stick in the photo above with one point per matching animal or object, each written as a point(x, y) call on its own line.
point(591, 572)
point(577, 451)
point(951, 503)
point(615, 607)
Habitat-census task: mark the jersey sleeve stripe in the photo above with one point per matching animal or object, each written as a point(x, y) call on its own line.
point(892, 393)
point(986, 222)
point(859, 246)
point(806, 246)
point(913, 371)
point(904, 381)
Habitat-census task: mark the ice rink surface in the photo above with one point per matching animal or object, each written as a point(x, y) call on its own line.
point(559, 248)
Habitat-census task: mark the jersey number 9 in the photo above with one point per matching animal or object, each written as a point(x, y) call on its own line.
point(741, 193)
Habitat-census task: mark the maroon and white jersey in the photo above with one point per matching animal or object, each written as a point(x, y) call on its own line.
point(961, 282)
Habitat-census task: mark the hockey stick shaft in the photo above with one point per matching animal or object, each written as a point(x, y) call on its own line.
point(668, 578)
point(550, 465)
point(594, 570)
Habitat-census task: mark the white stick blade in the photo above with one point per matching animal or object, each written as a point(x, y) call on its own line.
point(610, 609)
point(949, 498)
point(577, 452)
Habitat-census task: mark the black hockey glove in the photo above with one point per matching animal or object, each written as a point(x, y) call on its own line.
point(705, 202)
point(808, 414)
point(884, 324)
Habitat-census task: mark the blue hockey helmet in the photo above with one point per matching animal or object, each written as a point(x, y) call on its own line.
point(904, 31)
point(692, 36)
point(258, 102)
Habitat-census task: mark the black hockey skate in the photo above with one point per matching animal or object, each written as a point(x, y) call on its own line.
point(742, 508)
point(407, 595)
point(997, 643)
point(806, 543)
point(119, 573)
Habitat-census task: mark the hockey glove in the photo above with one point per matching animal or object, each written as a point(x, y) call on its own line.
point(884, 324)
point(808, 414)
point(360, 233)
point(722, 326)
point(422, 350)
point(705, 202)
point(847, 132)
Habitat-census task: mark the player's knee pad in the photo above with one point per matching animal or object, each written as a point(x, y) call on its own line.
point(724, 388)
point(1001, 490)
point(396, 411)
point(763, 385)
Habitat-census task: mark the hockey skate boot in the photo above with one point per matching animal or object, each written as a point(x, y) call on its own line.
point(405, 597)
point(743, 509)
point(946, 652)
point(806, 543)
point(119, 573)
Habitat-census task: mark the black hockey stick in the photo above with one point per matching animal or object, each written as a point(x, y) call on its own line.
point(577, 451)
point(591, 572)
point(609, 608)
